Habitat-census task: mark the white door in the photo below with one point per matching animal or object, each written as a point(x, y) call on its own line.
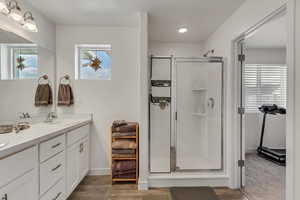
point(199, 115)
point(83, 159)
point(72, 167)
point(24, 187)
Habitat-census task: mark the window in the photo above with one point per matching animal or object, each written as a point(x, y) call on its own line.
point(93, 62)
point(265, 84)
point(24, 62)
point(18, 61)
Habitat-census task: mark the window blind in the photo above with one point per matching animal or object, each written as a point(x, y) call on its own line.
point(265, 84)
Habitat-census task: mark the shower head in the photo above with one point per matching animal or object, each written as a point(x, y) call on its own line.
point(212, 51)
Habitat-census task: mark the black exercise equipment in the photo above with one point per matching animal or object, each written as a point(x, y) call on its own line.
point(277, 156)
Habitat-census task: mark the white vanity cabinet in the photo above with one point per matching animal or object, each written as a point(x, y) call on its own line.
point(77, 157)
point(24, 187)
point(48, 170)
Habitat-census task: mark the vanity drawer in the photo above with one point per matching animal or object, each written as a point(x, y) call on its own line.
point(18, 164)
point(77, 134)
point(57, 192)
point(51, 171)
point(52, 147)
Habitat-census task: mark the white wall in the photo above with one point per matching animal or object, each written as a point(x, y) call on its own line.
point(107, 100)
point(175, 49)
point(143, 101)
point(275, 132)
point(265, 56)
point(249, 14)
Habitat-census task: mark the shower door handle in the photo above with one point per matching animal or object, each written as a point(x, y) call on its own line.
point(211, 103)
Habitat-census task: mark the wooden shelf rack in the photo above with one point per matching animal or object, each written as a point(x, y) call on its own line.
point(136, 156)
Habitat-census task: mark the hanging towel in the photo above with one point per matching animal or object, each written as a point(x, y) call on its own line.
point(65, 95)
point(43, 95)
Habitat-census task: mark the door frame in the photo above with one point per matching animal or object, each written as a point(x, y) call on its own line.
point(289, 9)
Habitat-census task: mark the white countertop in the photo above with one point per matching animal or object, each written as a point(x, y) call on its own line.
point(37, 133)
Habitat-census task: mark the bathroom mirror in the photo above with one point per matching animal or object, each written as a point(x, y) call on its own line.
point(22, 63)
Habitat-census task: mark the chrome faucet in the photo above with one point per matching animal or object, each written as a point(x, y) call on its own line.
point(51, 116)
point(25, 116)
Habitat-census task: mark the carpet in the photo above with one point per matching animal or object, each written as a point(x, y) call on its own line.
point(193, 193)
point(264, 179)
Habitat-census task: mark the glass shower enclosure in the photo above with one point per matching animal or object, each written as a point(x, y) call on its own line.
point(188, 135)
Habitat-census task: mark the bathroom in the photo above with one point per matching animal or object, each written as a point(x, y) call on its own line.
point(71, 70)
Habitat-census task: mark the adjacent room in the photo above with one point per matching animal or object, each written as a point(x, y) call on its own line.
point(265, 102)
point(149, 100)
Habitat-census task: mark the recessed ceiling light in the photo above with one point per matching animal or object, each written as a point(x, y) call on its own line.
point(182, 30)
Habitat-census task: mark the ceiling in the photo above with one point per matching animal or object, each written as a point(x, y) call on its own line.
point(201, 17)
point(271, 35)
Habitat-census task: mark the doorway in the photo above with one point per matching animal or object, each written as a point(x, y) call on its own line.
point(262, 109)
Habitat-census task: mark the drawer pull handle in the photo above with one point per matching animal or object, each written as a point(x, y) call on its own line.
point(57, 196)
point(56, 145)
point(81, 148)
point(5, 197)
point(56, 168)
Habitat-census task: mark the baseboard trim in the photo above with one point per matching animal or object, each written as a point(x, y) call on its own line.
point(173, 181)
point(143, 185)
point(99, 171)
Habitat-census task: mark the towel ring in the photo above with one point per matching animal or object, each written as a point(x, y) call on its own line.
point(66, 77)
point(44, 77)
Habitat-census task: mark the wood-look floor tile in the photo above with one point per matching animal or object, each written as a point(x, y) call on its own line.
point(101, 188)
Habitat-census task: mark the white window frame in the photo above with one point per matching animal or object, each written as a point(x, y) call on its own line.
point(7, 62)
point(78, 47)
point(281, 65)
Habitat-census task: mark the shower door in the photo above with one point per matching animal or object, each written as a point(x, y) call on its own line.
point(198, 121)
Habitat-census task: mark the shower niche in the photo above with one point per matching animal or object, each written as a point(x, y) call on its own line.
point(199, 98)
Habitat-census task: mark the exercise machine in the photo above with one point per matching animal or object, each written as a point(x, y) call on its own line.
point(277, 156)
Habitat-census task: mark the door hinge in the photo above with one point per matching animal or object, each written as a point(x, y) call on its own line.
point(241, 163)
point(175, 115)
point(241, 110)
point(241, 57)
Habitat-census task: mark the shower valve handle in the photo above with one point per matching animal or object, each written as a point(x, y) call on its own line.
point(211, 102)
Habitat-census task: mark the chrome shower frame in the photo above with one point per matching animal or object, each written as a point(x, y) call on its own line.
point(173, 138)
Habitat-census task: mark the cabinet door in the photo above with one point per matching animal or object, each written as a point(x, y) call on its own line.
point(24, 187)
point(83, 158)
point(72, 167)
